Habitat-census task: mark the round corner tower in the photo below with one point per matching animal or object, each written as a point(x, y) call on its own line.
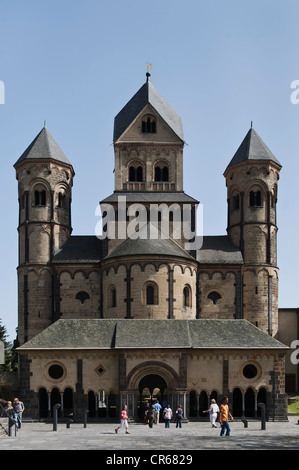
point(252, 182)
point(45, 178)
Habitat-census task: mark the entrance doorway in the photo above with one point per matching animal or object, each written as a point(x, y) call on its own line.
point(152, 387)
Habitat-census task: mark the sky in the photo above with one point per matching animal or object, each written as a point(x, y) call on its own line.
point(219, 64)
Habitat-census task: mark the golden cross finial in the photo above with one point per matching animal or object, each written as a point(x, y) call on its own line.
point(148, 66)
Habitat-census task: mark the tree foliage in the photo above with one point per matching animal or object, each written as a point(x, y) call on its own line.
point(10, 359)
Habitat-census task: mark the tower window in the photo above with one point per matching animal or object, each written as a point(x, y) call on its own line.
point(255, 199)
point(148, 125)
point(62, 200)
point(161, 173)
point(40, 197)
point(236, 202)
point(135, 173)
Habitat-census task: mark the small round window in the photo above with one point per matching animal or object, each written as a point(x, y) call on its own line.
point(250, 371)
point(55, 371)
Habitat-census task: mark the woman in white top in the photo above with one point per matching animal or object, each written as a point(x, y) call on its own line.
point(213, 410)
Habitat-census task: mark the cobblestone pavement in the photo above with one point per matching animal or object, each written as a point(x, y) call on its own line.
point(191, 437)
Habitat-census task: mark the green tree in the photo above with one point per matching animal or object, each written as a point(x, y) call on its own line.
point(10, 362)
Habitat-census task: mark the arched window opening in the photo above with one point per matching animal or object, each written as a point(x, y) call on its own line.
point(62, 200)
point(237, 402)
point(112, 297)
point(40, 197)
point(131, 173)
point(43, 403)
point(161, 173)
point(148, 125)
point(255, 199)
point(150, 295)
point(139, 173)
point(236, 202)
point(186, 296)
point(165, 173)
point(82, 296)
point(157, 173)
point(214, 296)
point(135, 173)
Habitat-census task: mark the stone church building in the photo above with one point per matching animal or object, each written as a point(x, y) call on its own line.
point(147, 309)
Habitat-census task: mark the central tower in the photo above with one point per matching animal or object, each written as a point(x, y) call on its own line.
point(148, 150)
point(148, 144)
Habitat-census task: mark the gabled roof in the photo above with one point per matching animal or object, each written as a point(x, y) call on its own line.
point(253, 148)
point(44, 147)
point(87, 334)
point(147, 94)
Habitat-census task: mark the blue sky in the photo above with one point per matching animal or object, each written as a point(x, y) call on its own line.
point(219, 64)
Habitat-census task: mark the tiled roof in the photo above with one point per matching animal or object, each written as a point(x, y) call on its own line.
point(156, 334)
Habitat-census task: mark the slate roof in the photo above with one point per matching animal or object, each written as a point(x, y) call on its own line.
point(115, 334)
point(219, 249)
point(81, 249)
point(147, 94)
point(44, 147)
point(149, 246)
point(154, 197)
point(253, 148)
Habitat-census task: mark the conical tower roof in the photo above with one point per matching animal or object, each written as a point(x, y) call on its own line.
point(253, 148)
point(147, 94)
point(44, 147)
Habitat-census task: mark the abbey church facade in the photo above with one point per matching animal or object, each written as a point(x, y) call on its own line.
point(135, 313)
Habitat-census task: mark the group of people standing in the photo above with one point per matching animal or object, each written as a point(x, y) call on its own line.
point(152, 415)
point(15, 410)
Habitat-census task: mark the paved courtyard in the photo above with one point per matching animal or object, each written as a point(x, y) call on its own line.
point(192, 437)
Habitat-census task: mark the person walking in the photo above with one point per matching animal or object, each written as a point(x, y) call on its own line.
point(224, 414)
point(179, 416)
point(167, 414)
point(151, 415)
point(213, 410)
point(123, 420)
point(18, 409)
point(158, 408)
